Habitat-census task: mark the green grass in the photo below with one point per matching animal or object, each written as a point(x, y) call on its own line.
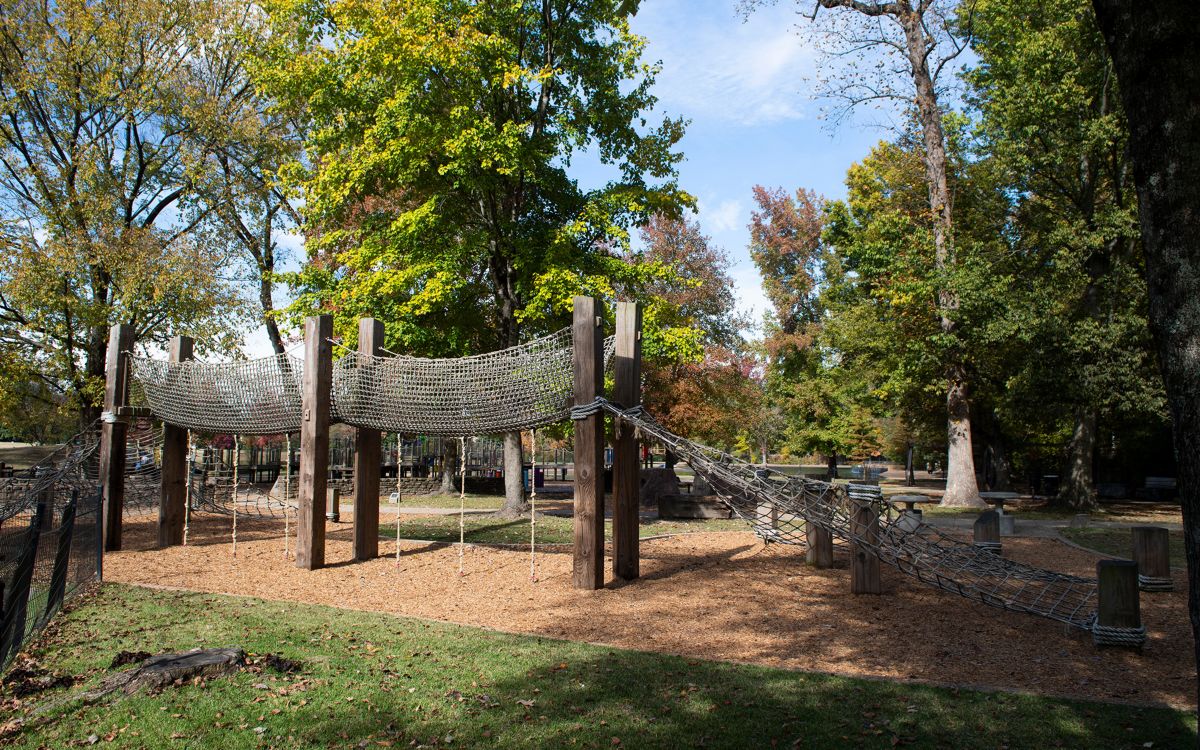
point(550, 529)
point(472, 502)
point(372, 680)
point(1118, 542)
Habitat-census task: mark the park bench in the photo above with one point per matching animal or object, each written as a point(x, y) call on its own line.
point(1157, 488)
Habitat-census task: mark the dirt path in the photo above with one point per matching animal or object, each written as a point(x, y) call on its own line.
point(716, 595)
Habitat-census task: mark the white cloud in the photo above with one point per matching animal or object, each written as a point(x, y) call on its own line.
point(725, 216)
point(715, 66)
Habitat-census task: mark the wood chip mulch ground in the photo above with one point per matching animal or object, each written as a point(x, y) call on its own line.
point(709, 595)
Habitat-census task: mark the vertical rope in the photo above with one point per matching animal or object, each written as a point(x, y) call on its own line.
point(287, 493)
point(533, 509)
point(187, 488)
point(462, 504)
point(236, 457)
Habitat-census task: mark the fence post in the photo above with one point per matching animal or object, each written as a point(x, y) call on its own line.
point(173, 492)
point(62, 558)
point(12, 627)
point(99, 535)
point(627, 391)
point(588, 559)
point(314, 442)
point(113, 432)
point(367, 457)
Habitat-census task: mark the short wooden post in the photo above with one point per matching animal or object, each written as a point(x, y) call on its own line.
point(1119, 616)
point(1151, 551)
point(333, 505)
point(864, 562)
point(987, 531)
point(820, 546)
point(627, 391)
point(314, 442)
point(767, 521)
point(367, 456)
point(113, 432)
point(173, 493)
point(588, 559)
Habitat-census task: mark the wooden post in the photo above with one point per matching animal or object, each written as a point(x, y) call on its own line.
point(588, 562)
point(820, 547)
point(864, 562)
point(987, 531)
point(767, 516)
point(367, 457)
point(627, 391)
point(1151, 551)
point(174, 465)
point(1119, 616)
point(314, 442)
point(113, 432)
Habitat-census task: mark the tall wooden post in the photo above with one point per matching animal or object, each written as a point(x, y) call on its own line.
point(314, 442)
point(820, 547)
point(864, 562)
point(627, 391)
point(113, 432)
point(1119, 613)
point(588, 562)
point(174, 465)
point(367, 458)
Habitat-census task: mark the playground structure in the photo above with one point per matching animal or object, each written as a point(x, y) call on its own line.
point(545, 381)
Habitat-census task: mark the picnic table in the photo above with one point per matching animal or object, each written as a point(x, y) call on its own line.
point(998, 499)
point(911, 501)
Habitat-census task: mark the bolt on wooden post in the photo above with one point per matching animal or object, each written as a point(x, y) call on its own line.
point(587, 332)
point(314, 442)
point(173, 493)
point(367, 456)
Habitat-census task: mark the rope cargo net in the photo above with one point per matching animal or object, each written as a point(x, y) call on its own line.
point(779, 506)
point(513, 389)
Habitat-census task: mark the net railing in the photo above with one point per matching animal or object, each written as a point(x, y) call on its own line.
point(780, 507)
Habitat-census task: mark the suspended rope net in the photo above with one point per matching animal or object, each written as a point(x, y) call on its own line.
point(252, 397)
point(513, 389)
point(781, 506)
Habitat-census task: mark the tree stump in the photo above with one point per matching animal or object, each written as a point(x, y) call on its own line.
point(165, 670)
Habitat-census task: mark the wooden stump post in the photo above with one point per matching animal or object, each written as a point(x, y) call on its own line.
point(627, 391)
point(864, 563)
point(588, 561)
point(314, 442)
point(767, 521)
point(367, 457)
point(987, 531)
point(113, 432)
point(1119, 615)
point(1151, 551)
point(174, 465)
point(820, 547)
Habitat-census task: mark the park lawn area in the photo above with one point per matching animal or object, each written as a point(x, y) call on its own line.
point(374, 680)
point(1118, 542)
point(550, 529)
point(22, 456)
point(471, 502)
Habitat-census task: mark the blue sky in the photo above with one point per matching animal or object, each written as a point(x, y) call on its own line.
point(744, 85)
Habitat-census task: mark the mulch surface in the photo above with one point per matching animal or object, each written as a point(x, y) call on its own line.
point(708, 595)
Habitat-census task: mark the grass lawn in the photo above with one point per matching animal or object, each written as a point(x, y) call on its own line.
point(372, 680)
point(472, 502)
point(1119, 542)
point(550, 529)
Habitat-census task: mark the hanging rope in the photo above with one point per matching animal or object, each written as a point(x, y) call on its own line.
point(533, 509)
point(398, 499)
point(187, 488)
point(462, 505)
point(287, 493)
point(236, 460)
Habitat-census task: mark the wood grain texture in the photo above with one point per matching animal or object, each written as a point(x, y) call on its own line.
point(173, 495)
point(112, 434)
point(314, 442)
point(367, 458)
point(627, 391)
point(864, 563)
point(588, 559)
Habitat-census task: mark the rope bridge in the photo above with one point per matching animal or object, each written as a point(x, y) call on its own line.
point(779, 506)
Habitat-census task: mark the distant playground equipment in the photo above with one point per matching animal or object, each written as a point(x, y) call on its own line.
point(539, 383)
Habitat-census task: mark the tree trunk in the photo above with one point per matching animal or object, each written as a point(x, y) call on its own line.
point(515, 503)
point(910, 477)
point(450, 479)
point(1154, 52)
point(962, 489)
point(1078, 489)
point(831, 466)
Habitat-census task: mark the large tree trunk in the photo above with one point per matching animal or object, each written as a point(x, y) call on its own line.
point(962, 489)
point(1155, 55)
point(515, 503)
point(831, 467)
point(450, 478)
point(1078, 489)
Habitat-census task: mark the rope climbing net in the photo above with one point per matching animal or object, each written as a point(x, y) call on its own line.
point(251, 397)
point(780, 506)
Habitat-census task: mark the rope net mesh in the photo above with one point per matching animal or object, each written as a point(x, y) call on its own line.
point(780, 506)
point(252, 397)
